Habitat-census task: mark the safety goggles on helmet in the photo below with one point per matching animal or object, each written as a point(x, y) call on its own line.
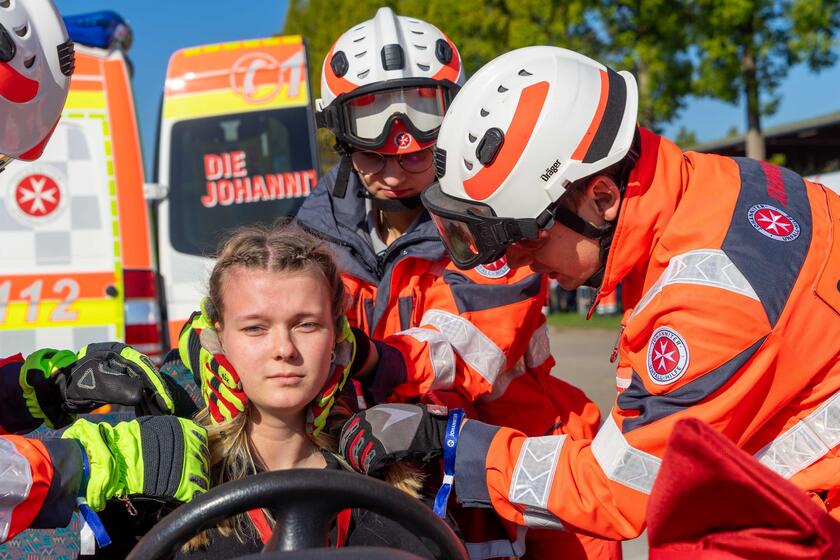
point(363, 118)
point(471, 231)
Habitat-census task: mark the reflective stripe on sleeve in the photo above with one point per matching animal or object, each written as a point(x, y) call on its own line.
point(474, 347)
point(706, 267)
point(805, 442)
point(533, 478)
point(501, 548)
point(503, 381)
point(621, 462)
point(15, 483)
point(440, 354)
point(539, 349)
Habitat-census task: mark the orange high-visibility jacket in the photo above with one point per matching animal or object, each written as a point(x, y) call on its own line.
point(476, 339)
point(472, 339)
point(730, 271)
point(39, 480)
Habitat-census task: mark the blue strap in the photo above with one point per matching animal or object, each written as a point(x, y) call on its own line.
point(90, 517)
point(450, 446)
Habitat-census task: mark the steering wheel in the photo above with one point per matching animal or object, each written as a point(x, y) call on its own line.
point(305, 502)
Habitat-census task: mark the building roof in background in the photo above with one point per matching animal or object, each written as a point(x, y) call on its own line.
point(807, 146)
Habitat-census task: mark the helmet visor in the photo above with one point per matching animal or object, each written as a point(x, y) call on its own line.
point(471, 231)
point(370, 115)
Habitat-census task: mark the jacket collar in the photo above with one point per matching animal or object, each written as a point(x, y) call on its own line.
point(654, 190)
point(344, 221)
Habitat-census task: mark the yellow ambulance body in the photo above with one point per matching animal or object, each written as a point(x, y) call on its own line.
point(74, 233)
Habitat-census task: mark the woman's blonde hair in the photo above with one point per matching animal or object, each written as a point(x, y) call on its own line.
point(283, 247)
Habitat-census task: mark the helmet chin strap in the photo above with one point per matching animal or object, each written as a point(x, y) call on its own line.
point(603, 235)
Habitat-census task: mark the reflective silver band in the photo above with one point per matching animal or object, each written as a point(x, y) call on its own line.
point(440, 354)
point(533, 479)
point(15, 483)
point(474, 347)
point(621, 462)
point(805, 442)
point(705, 267)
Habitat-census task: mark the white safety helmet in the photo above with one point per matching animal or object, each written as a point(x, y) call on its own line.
point(36, 61)
point(527, 125)
point(386, 83)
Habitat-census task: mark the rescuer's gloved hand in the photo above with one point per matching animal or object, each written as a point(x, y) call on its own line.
point(164, 458)
point(58, 384)
point(343, 359)
point(379, 436)
point(201, 351)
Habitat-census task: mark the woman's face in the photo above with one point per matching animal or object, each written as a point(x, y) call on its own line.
point(278, 332)
point(388, 179)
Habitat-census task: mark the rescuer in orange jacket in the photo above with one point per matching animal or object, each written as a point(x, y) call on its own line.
point(475, 338)
point(730, 271)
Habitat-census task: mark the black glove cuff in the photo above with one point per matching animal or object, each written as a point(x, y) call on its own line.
point(362, 351)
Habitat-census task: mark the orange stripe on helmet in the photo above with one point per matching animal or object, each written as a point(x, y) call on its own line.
point(451, 70)
point(336, 84)
point(586, 141)
point(485, 182)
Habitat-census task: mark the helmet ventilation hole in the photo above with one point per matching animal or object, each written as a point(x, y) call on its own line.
point(360, 54)
point(417, 31)
point(359, 28)
point(524, 72)
point(472, 138)
point(22, 30)
point(5, 3)
point(363, 74)
point(28, 62)
point(501, 89)
point(420, 47)
point(423, 67)
point(468, 165)
point(484, 112)
point(359, 39)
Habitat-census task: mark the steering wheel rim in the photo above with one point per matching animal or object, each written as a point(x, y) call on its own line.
point(306, 502)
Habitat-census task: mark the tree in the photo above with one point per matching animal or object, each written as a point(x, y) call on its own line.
point(651, 39)
point(747, 47)
point(686, 139)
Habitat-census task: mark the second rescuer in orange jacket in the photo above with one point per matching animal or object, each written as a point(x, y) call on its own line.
point(730, 269)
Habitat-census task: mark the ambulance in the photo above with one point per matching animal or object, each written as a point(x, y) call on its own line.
point(74, 234)
point(236, 146)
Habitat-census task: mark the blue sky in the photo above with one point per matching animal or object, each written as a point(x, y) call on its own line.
point(161, 27)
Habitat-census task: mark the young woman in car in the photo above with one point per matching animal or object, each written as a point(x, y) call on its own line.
point(274, 316)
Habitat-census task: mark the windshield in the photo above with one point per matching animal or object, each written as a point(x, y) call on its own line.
point(234, 170)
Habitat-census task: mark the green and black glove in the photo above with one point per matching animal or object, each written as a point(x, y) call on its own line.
point(58, 384)
point(164, 458)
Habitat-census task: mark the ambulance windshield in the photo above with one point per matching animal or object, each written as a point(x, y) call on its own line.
point(238, 169)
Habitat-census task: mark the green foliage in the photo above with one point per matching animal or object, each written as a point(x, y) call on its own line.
point(685, 138)
point(651, 39)
point(746, 47)
point(726, 49)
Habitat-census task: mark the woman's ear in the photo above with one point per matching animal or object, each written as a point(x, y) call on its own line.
point(602, 199)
